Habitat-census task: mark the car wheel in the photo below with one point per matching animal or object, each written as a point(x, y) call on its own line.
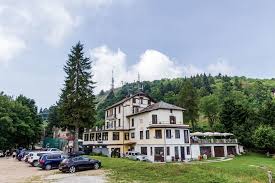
point(48, 167)
point(72, 169)
point(96, 166)
point(35, 163)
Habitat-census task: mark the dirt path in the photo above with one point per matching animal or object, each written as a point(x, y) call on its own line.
point(13, 171)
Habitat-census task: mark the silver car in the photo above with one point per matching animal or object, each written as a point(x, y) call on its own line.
point(134, 155)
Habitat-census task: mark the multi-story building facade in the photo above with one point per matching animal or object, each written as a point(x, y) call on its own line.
point(141, 124)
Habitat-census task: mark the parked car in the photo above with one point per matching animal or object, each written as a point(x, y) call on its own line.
point(134, 155)
point(21, 154)
point(75, 154)
point(33, 158)
point(51, 161)
point(54, 150)
point(26, 157)
point(1, 153)
point(74, 164)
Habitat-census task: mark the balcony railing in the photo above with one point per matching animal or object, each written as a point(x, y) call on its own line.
point(215, 141)
point(167, 124)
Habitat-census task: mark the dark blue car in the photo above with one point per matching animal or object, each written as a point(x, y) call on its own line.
point(50, 161)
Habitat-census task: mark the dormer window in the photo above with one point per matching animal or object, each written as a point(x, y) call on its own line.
point(172, 119)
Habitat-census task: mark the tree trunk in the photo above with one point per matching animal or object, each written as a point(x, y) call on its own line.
point(76, 148)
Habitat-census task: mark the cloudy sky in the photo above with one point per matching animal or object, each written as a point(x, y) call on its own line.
point(158, 39)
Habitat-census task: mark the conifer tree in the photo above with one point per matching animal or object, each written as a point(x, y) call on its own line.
point(77, 101)
point(188, 99)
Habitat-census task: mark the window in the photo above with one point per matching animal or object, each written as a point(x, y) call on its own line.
point(115, 124)
point(177, 134)
point(115, 135)
point(135, 109)
point(149, 102)
point(154, 119)
point(141, 134)
point(86, 137)
point(188, 150)
point(144, 150)
point(171, 110)
point(141, 100)
point(105, 136)
point(172, 119)
point(147, 134)
point(168, 134)
point(177, 151)
point(134, 100)
point(126, 136)
point(107, 113)
point(133, 135)
point(118, 109)
point(151, 151)
point(133, 122)
point(92, 136)
point(119, 123)
point(158, 134)
point(98, 136)
point(168, 151)
point(186, 136)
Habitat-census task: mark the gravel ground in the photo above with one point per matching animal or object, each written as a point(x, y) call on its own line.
point(13, 171)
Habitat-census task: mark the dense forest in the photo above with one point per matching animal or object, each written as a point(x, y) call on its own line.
point(240, 105)
point(20, 124)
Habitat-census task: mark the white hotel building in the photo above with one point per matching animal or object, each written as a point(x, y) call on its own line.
point(141, 124)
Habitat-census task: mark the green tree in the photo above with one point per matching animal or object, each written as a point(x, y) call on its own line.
point(53, 120)
point(209, 106)
point(264, 137)
point(188, 99)
point(226, 115)
point(77, 101)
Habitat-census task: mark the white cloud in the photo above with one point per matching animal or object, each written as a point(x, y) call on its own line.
point(191, 70)
point(10, 47)
point(106, 60)
point(50, 21)
point(222, 66)
point(152, 65)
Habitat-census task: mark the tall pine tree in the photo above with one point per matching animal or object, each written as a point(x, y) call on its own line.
point(188, 99)
point(77, 101)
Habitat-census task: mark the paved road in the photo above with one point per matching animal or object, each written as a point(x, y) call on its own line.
point(13, 171)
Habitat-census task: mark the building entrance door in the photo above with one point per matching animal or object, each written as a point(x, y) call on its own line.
point(182, 153)
point(159, 154)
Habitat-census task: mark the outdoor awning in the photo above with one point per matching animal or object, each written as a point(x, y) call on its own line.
point(210, 134)
point(197, 134)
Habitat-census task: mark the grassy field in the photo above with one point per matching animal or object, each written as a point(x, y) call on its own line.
point(251, 168)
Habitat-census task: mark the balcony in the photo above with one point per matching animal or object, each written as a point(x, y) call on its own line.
point(168, 124)
point(214, 141)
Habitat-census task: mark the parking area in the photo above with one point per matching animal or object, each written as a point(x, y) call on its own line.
point(14, 171)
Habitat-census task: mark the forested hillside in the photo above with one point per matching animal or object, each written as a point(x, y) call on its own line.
point(240, 105)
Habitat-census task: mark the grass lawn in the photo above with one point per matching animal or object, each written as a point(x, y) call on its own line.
point(251, 168)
